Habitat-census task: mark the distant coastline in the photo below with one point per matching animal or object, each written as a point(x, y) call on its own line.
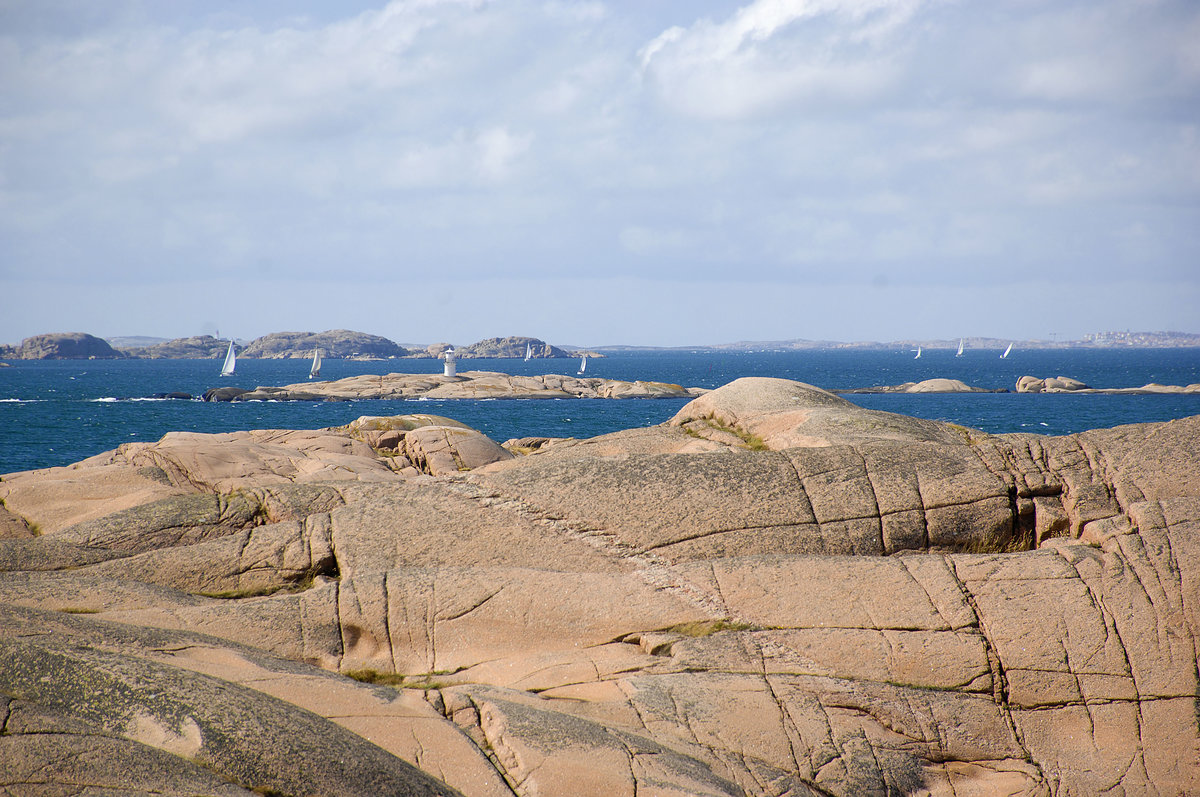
point(1098, 340)
point(345, 344)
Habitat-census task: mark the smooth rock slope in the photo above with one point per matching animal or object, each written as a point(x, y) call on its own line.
point(775, 593)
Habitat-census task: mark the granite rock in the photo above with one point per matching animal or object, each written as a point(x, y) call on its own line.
point(64, 346)
point(334, 343)
point(466, 384)
point(512, 347)
point(775, 593)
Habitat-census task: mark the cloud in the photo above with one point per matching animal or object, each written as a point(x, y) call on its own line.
point(801, 142)
point(775, 53)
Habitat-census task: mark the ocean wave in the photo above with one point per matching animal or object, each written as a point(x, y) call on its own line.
point(20, 401)
point(105, 400)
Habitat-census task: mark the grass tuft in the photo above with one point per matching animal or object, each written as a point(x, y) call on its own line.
point(999, 542)
point(418, 681)
point(702, 628)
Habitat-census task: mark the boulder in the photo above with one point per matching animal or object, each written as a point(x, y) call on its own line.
point(941, 386)
point(780, 413)
point(224, 393)
point(1053, 384)
point(1064, 384)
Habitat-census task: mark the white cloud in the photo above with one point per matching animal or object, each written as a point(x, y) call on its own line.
point(499, 150)
point(648, 241)
point(773, 53)
point(817, 142)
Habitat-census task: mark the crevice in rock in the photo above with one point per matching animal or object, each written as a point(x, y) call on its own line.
point(999, 676)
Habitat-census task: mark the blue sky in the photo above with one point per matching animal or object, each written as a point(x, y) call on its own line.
point(665, 172)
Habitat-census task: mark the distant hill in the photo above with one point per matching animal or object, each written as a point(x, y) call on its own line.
point(346, 344)
point(510, 347)
point(334, 343)
point(134, 341)
point(1100, 340)
point(198, 347)
point(62, 346)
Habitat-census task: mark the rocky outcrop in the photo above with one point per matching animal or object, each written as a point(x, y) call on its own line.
point(63, 346)
point(467, 384)
point(335, 344)
point(1065, 384)
point(197, 347)
point(777, 592)
point(938, 385)
point(510, 347)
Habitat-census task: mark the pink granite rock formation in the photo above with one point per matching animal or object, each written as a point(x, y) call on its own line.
point(776, 593)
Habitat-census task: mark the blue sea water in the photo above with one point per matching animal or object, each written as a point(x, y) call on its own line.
point(58, 412)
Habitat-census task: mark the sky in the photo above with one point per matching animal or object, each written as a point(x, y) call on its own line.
point(658, 172)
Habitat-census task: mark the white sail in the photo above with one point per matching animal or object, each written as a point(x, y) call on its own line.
point(528, 352)
point(1006, 352)
point(316, 365)
point(918, 353)
point(960, 348)
point(582, 364)
point(230, 361)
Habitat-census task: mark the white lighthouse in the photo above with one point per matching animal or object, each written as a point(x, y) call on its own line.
point(451, 367)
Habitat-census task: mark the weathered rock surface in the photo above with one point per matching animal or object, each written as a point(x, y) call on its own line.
point(62, 346)
point(335, 344)
point(1066, 384)
point(467, 384)
point(777, 593)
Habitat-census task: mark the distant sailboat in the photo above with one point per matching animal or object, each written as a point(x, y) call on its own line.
point(230, 361)
point(960, 348)
point(918, 353)
point(1006, 352)
point(528, 352)
point(582, 364)
point(315, 371)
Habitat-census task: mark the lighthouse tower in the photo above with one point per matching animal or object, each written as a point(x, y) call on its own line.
point(451, 367)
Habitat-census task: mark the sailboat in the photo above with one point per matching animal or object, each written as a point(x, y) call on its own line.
point(230, 361)
point(316, 365)
point(582, 364)
point(960, 348)
point(918, 353)
point(1006, 352)
point(528, 352)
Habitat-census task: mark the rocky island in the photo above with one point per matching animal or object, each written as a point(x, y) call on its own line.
point(776, 592)
point(1066, 384)
point(62, 346)
point(465, 385)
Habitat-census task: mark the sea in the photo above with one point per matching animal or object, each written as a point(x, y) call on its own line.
point(56, 412)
